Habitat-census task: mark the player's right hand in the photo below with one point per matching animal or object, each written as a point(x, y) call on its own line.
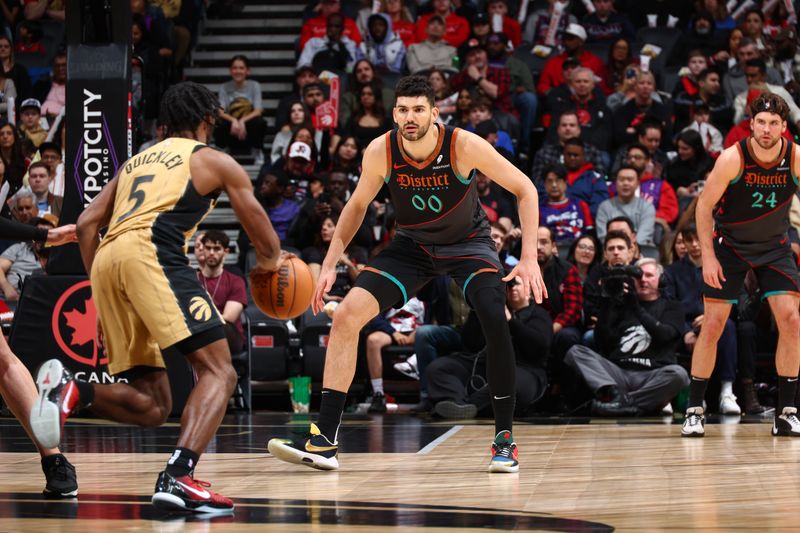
point(324, 284)
point(61, 235)
point(712, 272)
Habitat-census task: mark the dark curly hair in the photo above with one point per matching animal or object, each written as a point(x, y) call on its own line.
point(186, 105)
point(769, 103)
point(415, 86)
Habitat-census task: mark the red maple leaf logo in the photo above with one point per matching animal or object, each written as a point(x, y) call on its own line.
point(84, 325)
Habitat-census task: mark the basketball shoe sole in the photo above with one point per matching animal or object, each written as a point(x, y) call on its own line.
point(285, 451)
point(47, 418)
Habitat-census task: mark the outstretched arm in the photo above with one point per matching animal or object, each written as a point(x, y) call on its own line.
point(374, 168)
point(474, 152)
point(94, 218)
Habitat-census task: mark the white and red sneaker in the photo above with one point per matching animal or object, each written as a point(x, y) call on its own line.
point(58, 399)
point(187, 494)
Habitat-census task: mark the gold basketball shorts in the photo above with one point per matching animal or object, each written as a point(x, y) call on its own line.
point(148, 299)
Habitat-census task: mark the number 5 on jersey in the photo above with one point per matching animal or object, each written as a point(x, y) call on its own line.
point(136, 195)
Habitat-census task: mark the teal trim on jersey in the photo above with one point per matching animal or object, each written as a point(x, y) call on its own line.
point(396, 282)
point(387, 178)
point(461, 178)
point(737, 178)
point(776, 293)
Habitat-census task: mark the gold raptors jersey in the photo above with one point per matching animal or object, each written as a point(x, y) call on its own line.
point(155, 192)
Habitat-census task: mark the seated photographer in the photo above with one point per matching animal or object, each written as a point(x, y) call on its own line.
point(635, 370)
point(617, 251)
point(457, 383)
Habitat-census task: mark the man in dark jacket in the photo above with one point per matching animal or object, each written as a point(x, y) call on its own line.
point(457, 383)
point(637, 334)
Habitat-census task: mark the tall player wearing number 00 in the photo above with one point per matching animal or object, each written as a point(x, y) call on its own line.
point(442, 229)
point(742, 223)
point(149, 299)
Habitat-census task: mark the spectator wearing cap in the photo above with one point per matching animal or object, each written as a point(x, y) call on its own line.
point(299, 167)
point(755, 71)
point(510, 26)
point(523, 90)
point(30, 115)
point(574, 38)
point(589, 103)
point(456, 27)
point(480, 29)
point(434, 52)
point(318, 26)
point(384, 48)
point(332, 51)
point(538, 23)
point(477, 75)
point(606, 25)
point(302, 77)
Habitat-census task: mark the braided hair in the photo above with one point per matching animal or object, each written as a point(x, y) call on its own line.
point(185, 106)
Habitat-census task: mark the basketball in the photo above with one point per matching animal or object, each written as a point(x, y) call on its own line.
point(286, 293)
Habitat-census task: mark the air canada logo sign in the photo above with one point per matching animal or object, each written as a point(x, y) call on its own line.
point(75, 325)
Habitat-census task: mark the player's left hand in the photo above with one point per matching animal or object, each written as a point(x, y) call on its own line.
point(532, 280)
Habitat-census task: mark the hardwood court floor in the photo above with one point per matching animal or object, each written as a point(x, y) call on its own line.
point(415, 475)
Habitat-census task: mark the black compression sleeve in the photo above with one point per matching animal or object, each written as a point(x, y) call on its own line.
point(23, 232)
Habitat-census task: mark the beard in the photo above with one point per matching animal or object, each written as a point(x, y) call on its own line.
point(417, 135)
point(766, 145)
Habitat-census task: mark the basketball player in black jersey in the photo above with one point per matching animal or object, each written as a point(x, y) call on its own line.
point(742, 223)
point(442, 229)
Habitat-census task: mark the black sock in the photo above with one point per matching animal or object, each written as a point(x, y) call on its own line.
point(86, 390)
point(697, 392)
point(330, 413)
point(503, 413)
point(182, 462)
point(787, 388)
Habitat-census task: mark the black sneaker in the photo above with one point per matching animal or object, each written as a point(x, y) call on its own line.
point(60, 475)
point(378, 404)
point(786, 424)
point(188, 494)
point(314, 450)
point(453, 410)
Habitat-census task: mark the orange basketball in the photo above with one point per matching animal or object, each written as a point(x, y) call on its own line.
point(286, 293)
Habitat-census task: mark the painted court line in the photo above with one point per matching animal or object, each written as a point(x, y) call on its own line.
point(437, 441)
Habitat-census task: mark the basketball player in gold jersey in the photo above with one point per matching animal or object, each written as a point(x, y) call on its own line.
point(148, 297)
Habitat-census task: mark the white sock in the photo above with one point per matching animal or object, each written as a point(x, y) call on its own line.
point(377, 385)
point(727, 388)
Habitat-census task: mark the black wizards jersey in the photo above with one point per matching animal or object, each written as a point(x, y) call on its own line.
point(753, 213)
point(433, 203)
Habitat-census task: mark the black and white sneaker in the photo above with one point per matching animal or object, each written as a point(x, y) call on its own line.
point(188, 494)
point(695, 423)
point(378, 403)
point(786, 424)
point(60, 475)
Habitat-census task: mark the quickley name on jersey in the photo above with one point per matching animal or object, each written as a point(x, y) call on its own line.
point(434, 204)
point(155, 193)
point(753, 213)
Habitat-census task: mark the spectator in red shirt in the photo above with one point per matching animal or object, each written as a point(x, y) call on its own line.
point(510, 26)
point(477, 74)
point(456, 28)
point(318, 26)
point(402, 21)
point(227, 290)
point(574, 37)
